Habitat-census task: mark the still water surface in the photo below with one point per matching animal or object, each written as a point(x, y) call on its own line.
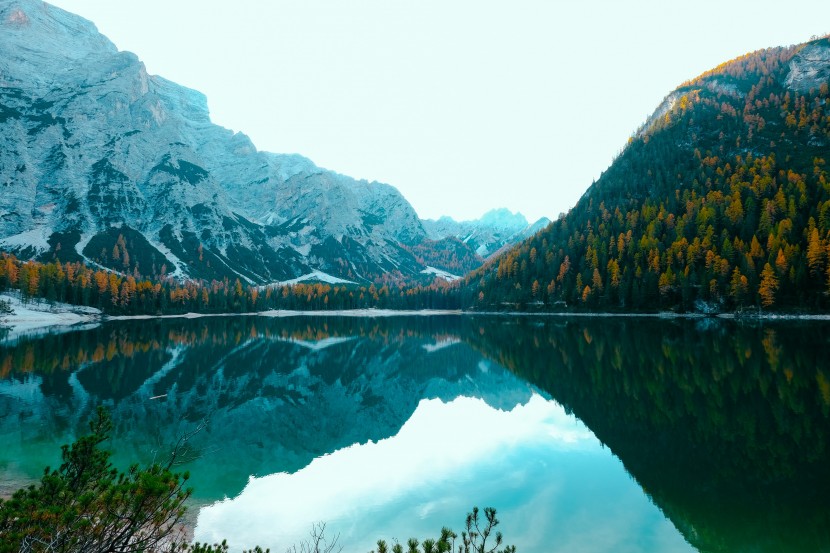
point(587, 435)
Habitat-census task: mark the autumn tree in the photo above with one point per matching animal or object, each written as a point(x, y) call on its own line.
point(815, 253)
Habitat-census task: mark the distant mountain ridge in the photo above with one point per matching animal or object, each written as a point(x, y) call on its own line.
point(487, 235)
point(460, 247)
point(719, 202)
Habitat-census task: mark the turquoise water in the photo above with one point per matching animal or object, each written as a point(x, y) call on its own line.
point(555, 486)
point(586, 435)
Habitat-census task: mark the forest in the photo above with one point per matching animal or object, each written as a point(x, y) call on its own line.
point(119, 294)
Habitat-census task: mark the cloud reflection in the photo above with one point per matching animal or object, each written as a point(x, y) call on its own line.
point(446, 458)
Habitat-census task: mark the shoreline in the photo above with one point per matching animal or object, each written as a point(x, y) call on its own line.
point(283, 313)
point(38, 316)
point(372, 313)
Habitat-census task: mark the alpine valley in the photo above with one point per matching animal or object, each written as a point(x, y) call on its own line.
point(370, 375)
point(103, 163)
point(719, 202)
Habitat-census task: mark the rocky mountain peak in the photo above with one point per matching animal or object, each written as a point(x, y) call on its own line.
point(32, 27)
point(504, 218)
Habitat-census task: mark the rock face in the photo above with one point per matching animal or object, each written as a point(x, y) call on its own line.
point(102, 162)
point(810, 67)
point(496, 229)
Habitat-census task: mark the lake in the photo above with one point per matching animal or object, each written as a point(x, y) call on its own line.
point(587, 434)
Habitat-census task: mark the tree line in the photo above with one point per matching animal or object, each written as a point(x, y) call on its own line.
point(118, 294)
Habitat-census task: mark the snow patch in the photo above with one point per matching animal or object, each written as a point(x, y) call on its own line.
point(314, 276)
point(449, 277)
point(37, 238)
point(303, 250)
point(177, 263)
point(79, 249)
point(319, 345)
point(35, 314)
point(82, 243)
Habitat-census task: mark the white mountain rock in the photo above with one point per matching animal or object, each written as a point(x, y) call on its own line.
point(92, 147)
point(810, 67)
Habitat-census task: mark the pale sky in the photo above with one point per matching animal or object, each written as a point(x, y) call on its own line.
point(464, 106)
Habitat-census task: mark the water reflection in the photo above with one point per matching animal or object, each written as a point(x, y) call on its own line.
point(277, 393)
point(724, 426)
point(548, 473)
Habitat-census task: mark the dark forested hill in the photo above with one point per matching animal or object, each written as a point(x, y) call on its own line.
point(721, 200)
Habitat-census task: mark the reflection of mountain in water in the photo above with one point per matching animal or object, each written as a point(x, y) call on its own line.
point(278, 393)
point(725, 426)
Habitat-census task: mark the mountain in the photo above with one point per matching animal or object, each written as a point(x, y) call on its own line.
point(455, 248)
point(102, 162)
point(719, 202)
point(494, 230)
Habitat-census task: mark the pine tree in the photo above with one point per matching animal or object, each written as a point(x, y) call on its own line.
point(768, 286)
point(87, 505)
point(815, 252)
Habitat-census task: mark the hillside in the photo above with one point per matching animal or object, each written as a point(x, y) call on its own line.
point(720, 201)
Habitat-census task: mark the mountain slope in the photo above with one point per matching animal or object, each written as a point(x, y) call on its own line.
point(103, 162)
point(720, 201)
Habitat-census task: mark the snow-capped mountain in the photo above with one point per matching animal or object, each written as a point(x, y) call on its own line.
point(101, 161)
point(494, 230)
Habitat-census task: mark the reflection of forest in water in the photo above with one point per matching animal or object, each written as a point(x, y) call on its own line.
point(724, 425)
